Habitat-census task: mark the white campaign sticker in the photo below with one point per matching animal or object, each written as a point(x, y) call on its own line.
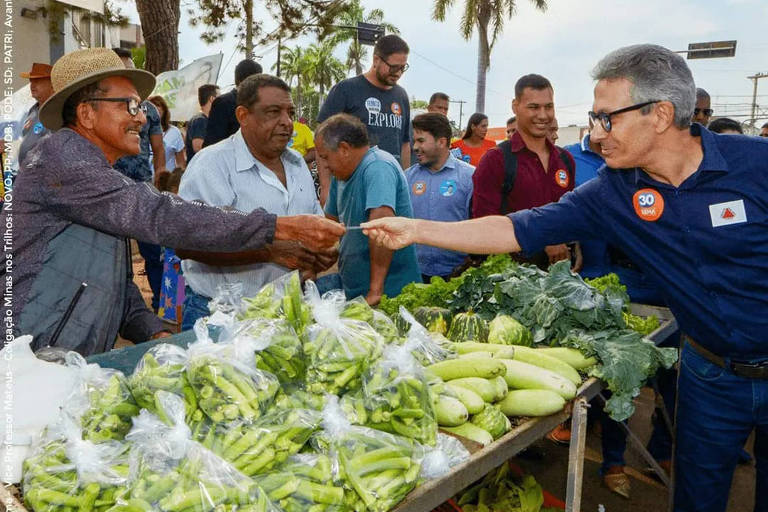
point(725, 214)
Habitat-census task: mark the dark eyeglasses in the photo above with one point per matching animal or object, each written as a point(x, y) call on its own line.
point(132, 104)
point(707, 111)
point(393, 68)
point(605, 117)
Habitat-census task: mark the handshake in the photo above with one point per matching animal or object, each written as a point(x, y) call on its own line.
point(306, 242)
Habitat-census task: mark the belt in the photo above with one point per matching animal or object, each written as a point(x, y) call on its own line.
point(742, 369)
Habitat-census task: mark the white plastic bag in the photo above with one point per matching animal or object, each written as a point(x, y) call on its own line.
point(32, 392)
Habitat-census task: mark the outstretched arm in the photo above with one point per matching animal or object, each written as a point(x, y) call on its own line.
point(487, 235)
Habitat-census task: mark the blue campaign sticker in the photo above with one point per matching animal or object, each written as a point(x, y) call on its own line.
point(448, 188)
point(38, 129)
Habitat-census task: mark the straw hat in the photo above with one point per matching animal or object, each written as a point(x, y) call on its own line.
point(77, 69)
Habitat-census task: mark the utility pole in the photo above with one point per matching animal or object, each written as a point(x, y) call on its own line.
point(754, 79)
point(279, 44)
point(461, 109)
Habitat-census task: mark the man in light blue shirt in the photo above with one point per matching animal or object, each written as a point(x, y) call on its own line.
point(251, 169)
point(367, 184)
point(440, 188)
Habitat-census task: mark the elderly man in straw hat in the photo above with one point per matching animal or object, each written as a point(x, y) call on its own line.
point(72, 213)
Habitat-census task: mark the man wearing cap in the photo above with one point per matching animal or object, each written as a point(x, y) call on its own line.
point(72, 213)
point(41, 89)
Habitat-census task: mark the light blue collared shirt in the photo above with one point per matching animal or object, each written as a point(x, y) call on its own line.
point(227, 174)
point(443, 195)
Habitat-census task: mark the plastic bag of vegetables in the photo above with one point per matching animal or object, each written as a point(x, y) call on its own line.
point(282, 298)
point(228, 386)
point(397, 397)
point(439, 460)
point(377, 469)
point(305, 482)
point(65, 472)
point(338, 349)
point(427, 347)
point(176, 474)
point(101, 401)
point(274, 345)
point(228, 300)
point(259, 447)
point(163, 367)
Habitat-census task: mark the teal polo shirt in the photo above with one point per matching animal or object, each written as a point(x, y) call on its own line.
point(377, 181)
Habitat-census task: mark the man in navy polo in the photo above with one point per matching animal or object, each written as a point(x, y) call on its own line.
point(441, 189)
point(690, 206)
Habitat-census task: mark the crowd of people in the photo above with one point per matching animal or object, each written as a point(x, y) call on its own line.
point(375, 199)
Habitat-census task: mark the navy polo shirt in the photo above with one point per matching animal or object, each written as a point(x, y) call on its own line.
point(706, 241)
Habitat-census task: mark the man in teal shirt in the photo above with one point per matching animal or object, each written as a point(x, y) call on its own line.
point(367, 184)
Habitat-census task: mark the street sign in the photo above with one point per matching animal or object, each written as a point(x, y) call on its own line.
point(711, 50)
point(368, 33)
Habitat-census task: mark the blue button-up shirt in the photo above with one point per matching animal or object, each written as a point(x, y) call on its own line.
point(443, 195)
point(708, 246)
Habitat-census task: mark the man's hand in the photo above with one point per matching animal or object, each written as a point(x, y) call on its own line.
point(557, 253)
point(291, 254)
point(161, 334)
point(391, 232)
point(373, 298)
point(325, 259)
point(313, 231)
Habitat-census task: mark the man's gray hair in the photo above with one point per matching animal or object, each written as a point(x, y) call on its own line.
point(342, 128)
point(656, 73)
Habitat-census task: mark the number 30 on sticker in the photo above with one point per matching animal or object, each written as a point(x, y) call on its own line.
point(648, 204)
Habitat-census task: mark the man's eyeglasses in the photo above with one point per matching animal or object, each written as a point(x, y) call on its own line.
point(132, 104)
point(393, 68)
point(605, 117)
point(707, 111)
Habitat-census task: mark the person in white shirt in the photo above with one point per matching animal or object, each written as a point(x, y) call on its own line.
point(251, 169)
point(173, 141)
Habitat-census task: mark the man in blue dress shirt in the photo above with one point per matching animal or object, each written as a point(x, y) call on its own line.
point(690, 206)
point(440, 187)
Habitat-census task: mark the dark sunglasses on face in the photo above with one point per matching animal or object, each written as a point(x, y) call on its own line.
point(393, 68)
point(707, 111)
point(132, 104)
point(605, 117)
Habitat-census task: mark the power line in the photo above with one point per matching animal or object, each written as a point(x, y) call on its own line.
point(488, 89)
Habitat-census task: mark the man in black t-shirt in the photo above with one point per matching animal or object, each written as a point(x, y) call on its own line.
point(221, 120)
point(375, 98)
point(198, 124)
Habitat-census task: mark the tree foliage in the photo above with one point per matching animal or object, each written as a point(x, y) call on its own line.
point(294, 18)
point(483, 15)
point(353, 13)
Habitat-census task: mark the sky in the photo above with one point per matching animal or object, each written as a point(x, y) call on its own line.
point(564, 44)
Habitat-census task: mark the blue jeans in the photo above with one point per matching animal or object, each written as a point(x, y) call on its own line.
point(195, 306)
point(716, 413)
point(153, 266)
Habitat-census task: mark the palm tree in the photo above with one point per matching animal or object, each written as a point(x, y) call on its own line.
point(484, 14)
point(357, 53)
point(323, 69)
point(294, 63)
